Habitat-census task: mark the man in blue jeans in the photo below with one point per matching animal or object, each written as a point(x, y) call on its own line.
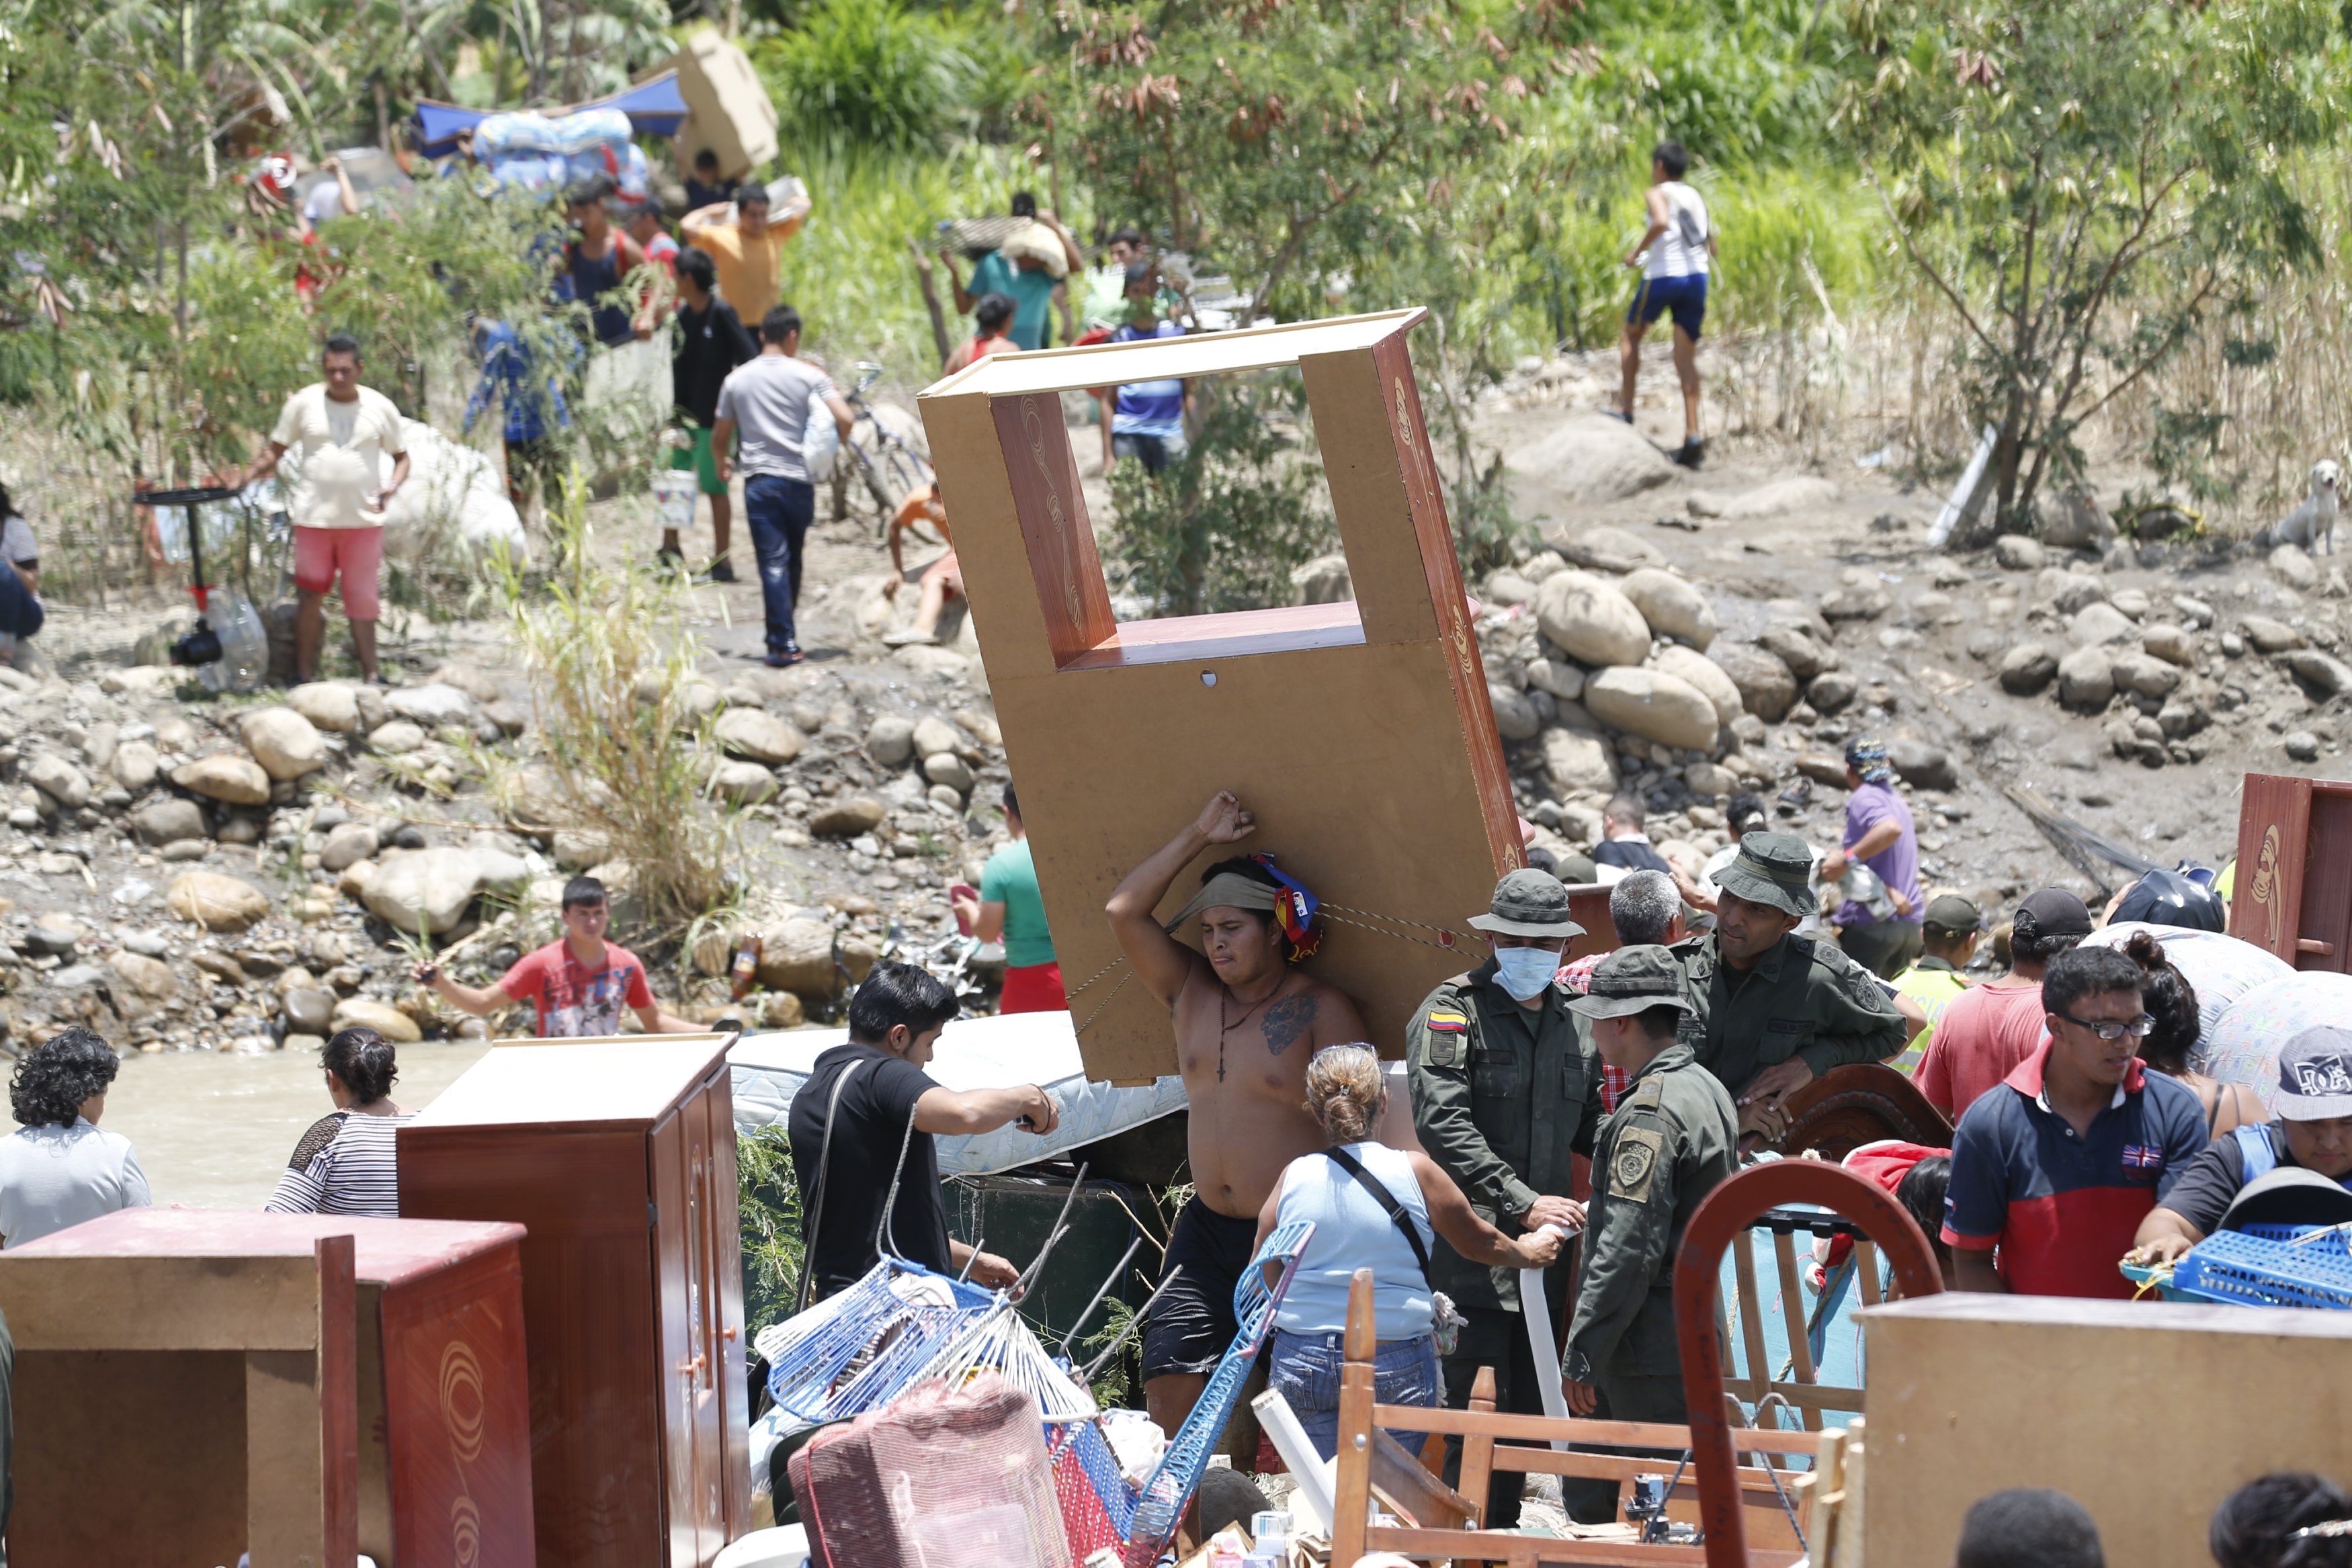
point(767, 401)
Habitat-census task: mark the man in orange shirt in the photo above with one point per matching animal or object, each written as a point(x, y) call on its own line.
point(746, 238)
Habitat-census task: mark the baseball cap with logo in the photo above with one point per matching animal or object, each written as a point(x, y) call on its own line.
point(2315, 1075)
point(1633, 981)
point(1773, 868)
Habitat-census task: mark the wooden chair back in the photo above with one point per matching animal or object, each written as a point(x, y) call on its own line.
point(1438, 1521)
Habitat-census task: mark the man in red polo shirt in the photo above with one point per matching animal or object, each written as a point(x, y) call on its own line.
point(2058, 1166)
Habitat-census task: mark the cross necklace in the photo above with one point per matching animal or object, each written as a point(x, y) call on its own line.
point(1224, 1029)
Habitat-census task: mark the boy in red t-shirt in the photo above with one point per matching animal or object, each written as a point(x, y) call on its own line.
point(578, 985)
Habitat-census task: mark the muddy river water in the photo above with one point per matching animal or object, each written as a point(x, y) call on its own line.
point(213, 1128)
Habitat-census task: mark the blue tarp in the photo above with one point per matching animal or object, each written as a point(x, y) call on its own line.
point(655, 107)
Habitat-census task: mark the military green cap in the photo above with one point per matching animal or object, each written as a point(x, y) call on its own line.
point(1775, 869)
point(1528, 903)
point(1633, 981)
point(1949, 912)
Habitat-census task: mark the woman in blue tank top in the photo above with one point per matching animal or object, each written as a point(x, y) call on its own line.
point(1374, 1207)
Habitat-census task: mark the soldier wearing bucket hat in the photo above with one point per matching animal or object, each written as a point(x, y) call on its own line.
point(1503, 1084)
point(2312, 1131)
point(1773, 1011)
point(1673, 1139)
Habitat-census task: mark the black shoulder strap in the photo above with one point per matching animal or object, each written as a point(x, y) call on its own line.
point(1387, 1200)
point(816, 1187)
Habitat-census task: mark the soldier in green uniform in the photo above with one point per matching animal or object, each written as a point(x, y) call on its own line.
point(1502, 1084)
point(1670, 1140)
point(1770, 1010)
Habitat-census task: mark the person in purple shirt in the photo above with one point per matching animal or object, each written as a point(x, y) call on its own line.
point(1878, 834)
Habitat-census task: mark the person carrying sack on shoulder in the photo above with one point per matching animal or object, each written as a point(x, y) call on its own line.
point(1382, 1208)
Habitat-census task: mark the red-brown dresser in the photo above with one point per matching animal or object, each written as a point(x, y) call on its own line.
point(191, 1385)
point(618, 1157)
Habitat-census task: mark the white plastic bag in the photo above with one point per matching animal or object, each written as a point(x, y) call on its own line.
point(674, 498)
point(820, 441)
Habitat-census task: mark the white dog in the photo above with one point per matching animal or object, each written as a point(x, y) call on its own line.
point(2314, 520)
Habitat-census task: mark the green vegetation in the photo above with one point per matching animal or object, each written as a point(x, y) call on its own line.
point(2100, 223)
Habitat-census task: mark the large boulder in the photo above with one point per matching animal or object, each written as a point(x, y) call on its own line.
point(135, 764)
point(214, 902)
point(1922, 765)
point(2068, 519)
point(1696, 669)
point(59, 779)
point(2086, 679)
point(800, 955)
point(431, 705)
point(933, 735)
point(1589, 620)
point(2100, 623)
point(1588, 458)
point(2270, 637)
point(2325, 675)
point(1653, 705)
point(1558, 676)
point(1324, 580)
point(846, 816)
point(1798, 492)
point(2146, 674)
point(150, 977)
point(742, 783)
point(366, 1013)
point(2171, 642)
point(2026, 668)
point(435, 886)
point(2015, 552)
point(891, 740)
point(287, 744)
point(946, 767)
point(1672, 605)
point(2066, 591)
point(1578, 762)
point(2293, 567)
point(1767, 686)
point(347, 845)
point(757, 735)
point(1796, 647)
point(1514, 716)
point(224, 777)
point(1600, 549)
point(330, 706)
point(168, 820)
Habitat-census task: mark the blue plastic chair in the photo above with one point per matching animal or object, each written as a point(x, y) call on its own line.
point(1164, 1497)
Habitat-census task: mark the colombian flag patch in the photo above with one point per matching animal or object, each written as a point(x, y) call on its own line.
point(1456, 1022)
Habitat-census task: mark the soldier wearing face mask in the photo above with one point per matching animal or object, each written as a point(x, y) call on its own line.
point(1502, 1081)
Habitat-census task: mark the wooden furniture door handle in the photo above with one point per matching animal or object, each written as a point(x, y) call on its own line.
point(727, 1333)
point(694, 1367)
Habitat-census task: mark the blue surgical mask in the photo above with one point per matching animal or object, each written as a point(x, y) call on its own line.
point(1524, 971)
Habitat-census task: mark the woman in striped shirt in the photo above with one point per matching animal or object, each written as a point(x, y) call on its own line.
point(344, 1164)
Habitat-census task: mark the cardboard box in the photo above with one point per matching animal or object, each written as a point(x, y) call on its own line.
point(728, 110)
point(2147, 1414)
point(1360, 734)
point(2292, 895)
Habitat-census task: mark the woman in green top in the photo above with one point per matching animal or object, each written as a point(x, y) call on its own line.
point(1011, 909)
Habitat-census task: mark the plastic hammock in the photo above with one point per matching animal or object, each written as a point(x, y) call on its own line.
point(859, 1350)
point(998, 1341)
point(1172, 1484)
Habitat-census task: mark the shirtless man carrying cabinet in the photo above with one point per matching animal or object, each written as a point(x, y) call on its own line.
point(1247, 1022)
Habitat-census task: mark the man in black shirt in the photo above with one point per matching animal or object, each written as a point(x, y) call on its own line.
point(849, 1122)
point(2314, 1131)
point(711, 342)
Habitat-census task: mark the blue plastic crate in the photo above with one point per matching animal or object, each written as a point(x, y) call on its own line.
point(2266, 1271)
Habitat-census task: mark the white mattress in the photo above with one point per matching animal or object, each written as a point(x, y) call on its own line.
point(972, 1053)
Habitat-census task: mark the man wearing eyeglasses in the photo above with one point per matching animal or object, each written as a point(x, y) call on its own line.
point(2053, 1171)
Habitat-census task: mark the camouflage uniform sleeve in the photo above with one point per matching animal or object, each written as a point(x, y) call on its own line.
point(1854, 1019)
point(1626, 1247)
point(1437, 1075)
